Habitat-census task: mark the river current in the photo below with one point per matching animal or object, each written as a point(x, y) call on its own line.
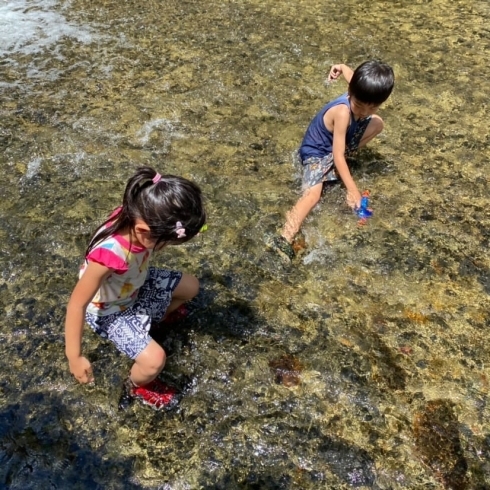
point(363, 365)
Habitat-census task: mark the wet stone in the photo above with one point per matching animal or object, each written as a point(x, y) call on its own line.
point(287, 370)
point(220, 95)
point(351, 464)
point(438, 442)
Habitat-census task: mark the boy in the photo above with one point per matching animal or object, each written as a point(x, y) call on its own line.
point(341, 127)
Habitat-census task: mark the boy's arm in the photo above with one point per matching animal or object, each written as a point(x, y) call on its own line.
point(83, 293)
point(338, 70)
point(341, 120)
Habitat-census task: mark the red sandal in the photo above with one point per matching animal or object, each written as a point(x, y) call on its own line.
point(176, 316)
point(155, 394)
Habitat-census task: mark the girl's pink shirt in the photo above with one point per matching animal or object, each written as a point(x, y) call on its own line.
point(129, 264)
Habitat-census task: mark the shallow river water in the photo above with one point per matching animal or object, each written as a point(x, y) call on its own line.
point(366, 363)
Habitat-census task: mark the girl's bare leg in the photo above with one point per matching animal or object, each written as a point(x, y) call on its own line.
point(151, 361)
point(298, 213)
point(148, 364)
point(186, 290)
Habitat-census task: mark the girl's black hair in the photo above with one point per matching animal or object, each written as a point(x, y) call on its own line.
point(160, 205)
point(372, 82)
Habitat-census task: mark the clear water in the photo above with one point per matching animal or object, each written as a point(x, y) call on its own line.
point(363, 366)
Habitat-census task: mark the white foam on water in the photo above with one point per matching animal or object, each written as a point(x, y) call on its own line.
point(72, 164)
point(322, 253)
point(166, 125)
point(31, 26)
point(33, 168)
point(317, 255)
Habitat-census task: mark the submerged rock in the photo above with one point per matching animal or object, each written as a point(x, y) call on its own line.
point(437, 440)
point(350, 463)
point(287, 370)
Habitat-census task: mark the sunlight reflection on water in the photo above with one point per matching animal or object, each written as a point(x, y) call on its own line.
point(30, 27)
point(370, 324)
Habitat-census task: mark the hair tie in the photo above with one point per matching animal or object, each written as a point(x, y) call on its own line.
point(156, 178)
point(179, 229)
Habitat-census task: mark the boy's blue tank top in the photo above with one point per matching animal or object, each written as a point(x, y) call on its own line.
point(318, 140)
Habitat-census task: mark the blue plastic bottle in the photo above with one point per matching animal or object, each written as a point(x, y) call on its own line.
point(363, 211)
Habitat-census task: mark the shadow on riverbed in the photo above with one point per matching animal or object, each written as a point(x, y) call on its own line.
point(234, 320)
point(343, 465)
point(40, 449)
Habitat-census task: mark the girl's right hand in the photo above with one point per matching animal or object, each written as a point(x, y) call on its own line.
point(81, 369)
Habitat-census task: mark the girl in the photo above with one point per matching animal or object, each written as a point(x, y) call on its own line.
point(119, 295)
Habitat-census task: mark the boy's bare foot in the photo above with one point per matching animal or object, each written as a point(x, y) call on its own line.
point(282, 247)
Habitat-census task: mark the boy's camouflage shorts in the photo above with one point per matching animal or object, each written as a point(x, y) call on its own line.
point(321, 169)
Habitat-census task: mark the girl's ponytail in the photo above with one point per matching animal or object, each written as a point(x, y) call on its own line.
point(171, 206)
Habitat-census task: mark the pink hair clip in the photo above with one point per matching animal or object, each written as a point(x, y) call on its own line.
point(179, 229)
point(156, 178)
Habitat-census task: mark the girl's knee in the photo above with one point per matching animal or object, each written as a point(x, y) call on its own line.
point(187, 289)
point(152, 360)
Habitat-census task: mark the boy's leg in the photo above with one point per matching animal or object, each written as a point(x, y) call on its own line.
point(298, 213)
point(316, 171)
point(374, 127)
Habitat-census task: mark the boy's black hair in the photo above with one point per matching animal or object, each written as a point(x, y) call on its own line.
point(167, 205)
point(372, 82)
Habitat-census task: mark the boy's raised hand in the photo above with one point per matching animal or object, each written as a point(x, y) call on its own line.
point(335, 72)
